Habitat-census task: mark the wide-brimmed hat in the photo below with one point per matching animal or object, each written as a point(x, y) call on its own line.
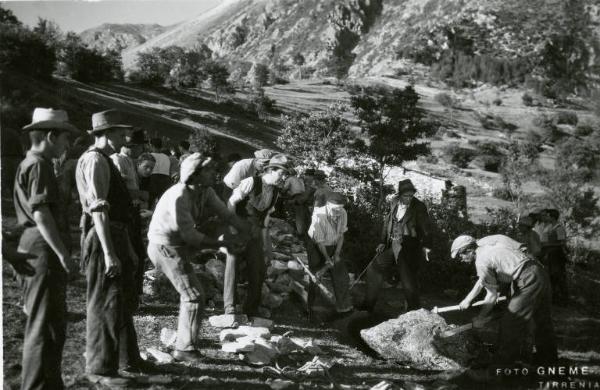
point(50, 119)
point(280, 161)
point(137, 137)
point(192, 163)
point(461, 242)
point(406, 186)
point(264, 154)
point(109, 119)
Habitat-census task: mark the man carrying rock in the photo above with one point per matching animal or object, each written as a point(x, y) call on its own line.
point(37, 206)
point(405, 241)
point(173, 238)
point(246, 168)
point(329, 223)
point(500, 260)
point(109, 222)
point(253, 200)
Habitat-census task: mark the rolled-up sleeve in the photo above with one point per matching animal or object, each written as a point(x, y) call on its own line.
point(40, 192)
point(243, 189)
point(96, 173)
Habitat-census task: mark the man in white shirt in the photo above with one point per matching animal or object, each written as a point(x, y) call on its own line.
point(245, 168)
point(327, 228)
point(501, 260)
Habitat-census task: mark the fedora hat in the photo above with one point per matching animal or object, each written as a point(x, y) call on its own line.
point(109, 119)
point(406, 186)
point(280, 161)
point(50, 119)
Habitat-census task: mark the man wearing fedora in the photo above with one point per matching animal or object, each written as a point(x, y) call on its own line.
point(176, 232)
point(38, 208)
point(108, 255)
point(405, 241)
point(253, 199)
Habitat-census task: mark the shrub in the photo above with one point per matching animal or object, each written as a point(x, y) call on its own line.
point(575, 154)
point(566, 118)
point(495, 122)
point(502, 193)
point(445, 99)
point(461, 157)
point(584, 129)
point(261, 104)
point(202, 141)
point(490, 163)
point(527, 99)
point(497, 102)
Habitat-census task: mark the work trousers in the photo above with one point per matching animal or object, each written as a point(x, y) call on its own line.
point(254, 255)
point(174, 262)
point(406, 266)
point(45, 305)
point(531, 301)
point(111, 339)
point(339, 276)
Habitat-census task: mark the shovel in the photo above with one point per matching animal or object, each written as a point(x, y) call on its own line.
point(446, 309)
point(324, 290)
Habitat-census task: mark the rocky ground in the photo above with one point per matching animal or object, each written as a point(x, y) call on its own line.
point(292, 352)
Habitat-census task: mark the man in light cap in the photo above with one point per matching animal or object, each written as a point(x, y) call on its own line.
point(405, 242)
point(500, 260)
point(254, 200)
point(38, 209)
point(173, 238)
point(327, 228)
point(245, 168)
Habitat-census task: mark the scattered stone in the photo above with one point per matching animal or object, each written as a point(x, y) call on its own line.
point(293, 265)
point(281, 284)
point(168, 337)
point(160, 356)
point(207, 380)
point(243, 344)
point(227, 320)
point(251, 331)
point(154, 379)
point(317, 366)
point(278, 267)
point(383, 385)
point(281, 256)
point(412, 338)
point(264, 312)
point(261, 322)
point(262, 354)
point(273, 301)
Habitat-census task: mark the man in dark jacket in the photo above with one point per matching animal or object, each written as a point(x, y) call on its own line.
point(404, 242)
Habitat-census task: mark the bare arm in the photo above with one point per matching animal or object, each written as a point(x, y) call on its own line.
point(489, 302)
point(475, 291)
point(338, 248)
point(102, 224)
point(48, 229)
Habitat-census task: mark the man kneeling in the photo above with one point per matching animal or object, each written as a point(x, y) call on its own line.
point(173, 237)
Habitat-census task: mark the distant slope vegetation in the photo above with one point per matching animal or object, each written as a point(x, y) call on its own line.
point(119, 37)
point(371, 37)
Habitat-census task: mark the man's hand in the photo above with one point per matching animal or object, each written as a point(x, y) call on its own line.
point(464, 304)
point(479, 322)
point(426, 252)
point(336, 258)
point(326, 267)
point(19, 262)
point(113, 265)
point(380, 248)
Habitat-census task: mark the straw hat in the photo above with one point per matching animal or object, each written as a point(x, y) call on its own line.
point(109, 119)
point(50, 119)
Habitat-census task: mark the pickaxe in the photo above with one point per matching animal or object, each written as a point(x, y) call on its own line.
point(457, 307)
point(328, 295)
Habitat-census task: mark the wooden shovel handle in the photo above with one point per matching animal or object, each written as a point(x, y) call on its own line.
point(457, 307)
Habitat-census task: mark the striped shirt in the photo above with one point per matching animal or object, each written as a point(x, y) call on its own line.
point(326, 229)
point(499, 260)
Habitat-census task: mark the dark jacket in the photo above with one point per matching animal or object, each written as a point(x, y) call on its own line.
point(416, 220)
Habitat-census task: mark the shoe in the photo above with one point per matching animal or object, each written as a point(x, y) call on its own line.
point(140, 367)
point(110, 381)
point(188, 356)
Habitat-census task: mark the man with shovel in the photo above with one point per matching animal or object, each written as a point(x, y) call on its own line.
point(501, 260)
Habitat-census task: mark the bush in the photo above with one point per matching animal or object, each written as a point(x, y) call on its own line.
point(497, 102)
point(461, 157)
point(489, 163)
point(202, 141)
point(261, 104)
point(495, 122)
point(574, 154)
point(445, 99)
point(502, 193)
point(566, 118)
point(527, 100)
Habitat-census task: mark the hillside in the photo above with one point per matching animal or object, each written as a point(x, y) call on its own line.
point(109, 36)
point(369, 37)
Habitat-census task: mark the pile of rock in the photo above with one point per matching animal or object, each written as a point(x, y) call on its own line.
point(253, 341)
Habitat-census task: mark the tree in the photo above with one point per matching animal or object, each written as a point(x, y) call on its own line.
point(217, 77)
point(394, 126)
point(202, 141)
point(299, 60)
point(517, 168)
point(258, 75)
point(317, 138)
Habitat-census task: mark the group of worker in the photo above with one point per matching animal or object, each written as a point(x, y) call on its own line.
point(194, 213)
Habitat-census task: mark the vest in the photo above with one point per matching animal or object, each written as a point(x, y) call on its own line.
point(248, 208)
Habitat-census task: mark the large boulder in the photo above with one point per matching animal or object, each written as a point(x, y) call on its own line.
point(412, 338)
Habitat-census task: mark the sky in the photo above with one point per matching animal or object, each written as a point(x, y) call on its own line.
point(81, 15)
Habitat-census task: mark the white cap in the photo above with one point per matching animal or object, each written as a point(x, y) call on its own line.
point(191, 164)
point(459, 243)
